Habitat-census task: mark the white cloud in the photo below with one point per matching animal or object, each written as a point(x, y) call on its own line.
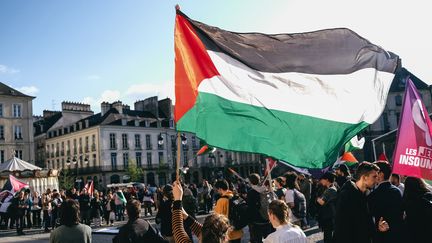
point(7, 70)
point(93, 77)
point(29, 90)
point(142, 91)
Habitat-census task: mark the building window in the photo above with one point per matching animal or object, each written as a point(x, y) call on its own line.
point(386, 124)
point(125, 141)
point(185, 157)
point(16, 110)
point(126, 160)
point(47, 151)
point(149, 159)
point(194, 144)
point(87, 148)
point(138, 159)
point(113, 144)
point(57, 153)
point(173, 142)
point(161, 160)
point(397, 118)
point(1, 132)
point(243, 157)
point(52, 150)
point(2, 156)
point(80, 146)
point(75, 146)
point(398, 100)
point(62, 149)
point(68, 148)
point(148, 142)
point(19, 154)
point(18, 132)
point(93, 142)
point(137, 141)
point(114, 161)
point(1, 110)
point(94, 159)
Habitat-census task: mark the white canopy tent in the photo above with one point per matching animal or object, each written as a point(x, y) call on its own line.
point(38, 179)
point(16, 164)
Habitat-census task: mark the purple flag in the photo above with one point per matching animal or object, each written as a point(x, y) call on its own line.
point(413, 153)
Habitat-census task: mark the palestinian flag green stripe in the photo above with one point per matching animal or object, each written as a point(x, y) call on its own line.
point(301, 136)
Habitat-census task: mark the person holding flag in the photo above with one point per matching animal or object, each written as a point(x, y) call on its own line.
point(119, 201)
point(19, 206)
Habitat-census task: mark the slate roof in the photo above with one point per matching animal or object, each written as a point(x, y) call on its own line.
point(6, 90)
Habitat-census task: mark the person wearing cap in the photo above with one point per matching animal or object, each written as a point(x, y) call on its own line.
point(327, 203)
point(342, 175)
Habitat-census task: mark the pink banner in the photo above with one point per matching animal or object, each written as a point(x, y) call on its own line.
point(413, 153)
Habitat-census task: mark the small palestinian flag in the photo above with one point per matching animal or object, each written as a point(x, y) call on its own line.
point(205, 150)
point(349, 159)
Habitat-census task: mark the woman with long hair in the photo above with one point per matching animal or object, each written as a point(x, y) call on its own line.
point(70, 230)
point(214, 230)
point(417, 203)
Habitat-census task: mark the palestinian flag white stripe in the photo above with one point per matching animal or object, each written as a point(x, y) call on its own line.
point(329, 97)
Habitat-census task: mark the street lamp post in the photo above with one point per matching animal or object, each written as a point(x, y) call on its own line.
point(75, 162)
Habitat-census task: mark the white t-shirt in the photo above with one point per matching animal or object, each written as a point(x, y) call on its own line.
point(289, 198)
point(286, 234)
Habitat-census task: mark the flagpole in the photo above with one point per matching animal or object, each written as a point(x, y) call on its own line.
point(178, 157)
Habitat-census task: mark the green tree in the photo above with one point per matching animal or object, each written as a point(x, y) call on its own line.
point(66, 179)
point(134, 172)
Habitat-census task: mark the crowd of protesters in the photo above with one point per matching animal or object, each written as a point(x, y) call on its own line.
point(364, 204)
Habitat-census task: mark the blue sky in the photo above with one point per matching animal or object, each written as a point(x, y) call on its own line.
point(106, 50)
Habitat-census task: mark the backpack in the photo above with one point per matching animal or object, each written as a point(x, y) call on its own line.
point(299, 209)
point(266, 197)
point(237, 212)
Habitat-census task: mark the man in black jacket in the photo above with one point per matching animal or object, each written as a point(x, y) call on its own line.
point(353, 221)
point(136, 229)
point(386, 202)
point(327, 208)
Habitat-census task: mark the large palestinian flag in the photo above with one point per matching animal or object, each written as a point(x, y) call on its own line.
point(295, 97)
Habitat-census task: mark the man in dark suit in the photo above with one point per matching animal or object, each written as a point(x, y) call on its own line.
point(353, 221)
point(386, 202)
